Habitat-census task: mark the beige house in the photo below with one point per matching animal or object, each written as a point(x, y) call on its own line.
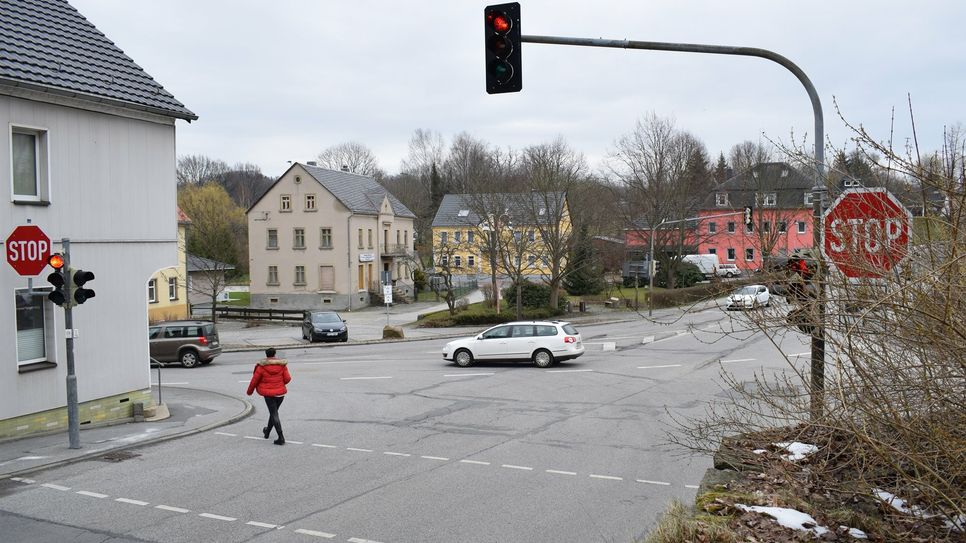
point(326, 239)
point(167, 288)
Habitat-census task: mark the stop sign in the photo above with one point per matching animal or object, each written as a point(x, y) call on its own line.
point(866, 232)
point(28, 249)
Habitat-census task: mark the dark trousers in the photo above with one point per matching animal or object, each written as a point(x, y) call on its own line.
point(273, 403)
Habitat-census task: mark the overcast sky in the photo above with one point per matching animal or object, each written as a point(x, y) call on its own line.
point(274, 81)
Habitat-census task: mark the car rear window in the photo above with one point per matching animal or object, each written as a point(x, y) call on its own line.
point(569, 329)
point(209, 329)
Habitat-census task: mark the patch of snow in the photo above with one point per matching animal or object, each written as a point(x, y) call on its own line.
point(899, 504)
point(797, 450)
point(855, 532)
point(759, 451)
point(958, 523)
point(788, 518)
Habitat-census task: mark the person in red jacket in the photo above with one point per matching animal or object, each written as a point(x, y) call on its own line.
point(270, 377)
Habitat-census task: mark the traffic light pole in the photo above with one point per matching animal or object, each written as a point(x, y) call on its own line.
point(818, 335)
point(73, 425)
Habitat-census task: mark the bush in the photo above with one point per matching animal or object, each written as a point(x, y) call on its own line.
point(685, 275)
point(694, 294)
point(533, 295)
point(419, 280)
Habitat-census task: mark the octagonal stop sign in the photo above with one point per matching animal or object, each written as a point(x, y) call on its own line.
point(28, 249)
point(866, 232)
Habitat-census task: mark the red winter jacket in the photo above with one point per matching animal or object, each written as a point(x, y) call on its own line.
point(271, 376)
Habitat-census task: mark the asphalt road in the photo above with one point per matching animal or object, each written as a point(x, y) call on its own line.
point(389, 443)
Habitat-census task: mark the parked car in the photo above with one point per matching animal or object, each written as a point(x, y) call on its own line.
point(728, 270)
point(706, 263)
point(324, 326)
point(543, 342)
point(189, 342)
point(750, 297)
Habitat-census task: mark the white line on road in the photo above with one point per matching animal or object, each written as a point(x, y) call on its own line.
point(217, 517)
point(737, 360)
point(656, 367)
point(435, 458)
point(558, 472)
point(314, 533)
point(567, 371)
point(645, 481)
point(91, 494)
point(690, 486)
point(324, 446)
point(295, 442)
point(253, 437)
point(172, 509)
point(467, 374)
point(610, 346)
point(261, 524)
point(357, 540)
point(225, 434)
point(607, 477)
point(56, 487)
point(132, 502)
point(390, 453)
point(363, 378)
point(796, 355)
point(357, 450)
point(511, 466)
point(477, 462)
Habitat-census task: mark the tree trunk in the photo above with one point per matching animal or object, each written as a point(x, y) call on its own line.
point(519, 299)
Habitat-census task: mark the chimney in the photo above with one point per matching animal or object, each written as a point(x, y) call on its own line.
point(345, 168)
point(312, 163)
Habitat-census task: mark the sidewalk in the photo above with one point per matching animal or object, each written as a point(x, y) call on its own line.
point(192, 411)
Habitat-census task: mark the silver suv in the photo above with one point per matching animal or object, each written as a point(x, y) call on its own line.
point(188, 342)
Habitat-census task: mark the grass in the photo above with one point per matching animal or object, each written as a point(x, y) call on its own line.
point(240, 299)
point(480, 314)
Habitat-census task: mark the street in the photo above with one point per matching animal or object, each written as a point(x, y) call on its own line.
point(389, 443)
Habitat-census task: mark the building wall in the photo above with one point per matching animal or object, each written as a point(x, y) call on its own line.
point(112, 193)
point(166, 308)
point(741, 240)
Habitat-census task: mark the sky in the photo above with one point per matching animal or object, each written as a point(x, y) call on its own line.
point(280, 81)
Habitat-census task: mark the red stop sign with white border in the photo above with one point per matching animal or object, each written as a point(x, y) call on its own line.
point(28, 249)
point(866, 232)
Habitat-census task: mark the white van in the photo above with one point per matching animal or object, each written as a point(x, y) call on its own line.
point(707, 264)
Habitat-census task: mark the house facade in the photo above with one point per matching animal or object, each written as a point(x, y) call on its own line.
point(89, 155)
point(326, 239)
point(168, 289)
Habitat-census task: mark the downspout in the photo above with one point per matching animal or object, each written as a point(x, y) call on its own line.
point(348, 255)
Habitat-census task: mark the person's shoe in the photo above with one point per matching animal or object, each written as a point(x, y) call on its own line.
point(265, 431)
point(279, 441)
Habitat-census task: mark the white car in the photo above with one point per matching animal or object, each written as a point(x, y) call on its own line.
point(543, 342)
point(728, 270)
point(750, 297)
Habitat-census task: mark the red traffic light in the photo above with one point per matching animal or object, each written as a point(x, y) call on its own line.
point(56, 261)
point(498, 21)
point(502, 47)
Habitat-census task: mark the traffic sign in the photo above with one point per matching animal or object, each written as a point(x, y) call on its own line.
point(28, 249)
point(866, 232)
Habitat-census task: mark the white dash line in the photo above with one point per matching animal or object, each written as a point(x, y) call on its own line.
point(390, 453)
point(645, 481)
point(568, 371)
point(357, 450)
point(91, 494)
point(466, 374)
point(691, 486)
point(294, 442)
point(324, 446)
point(261, 524)
point(225, 434)
point(172, 509)
point(56, 487)
point(607, 477)
point(738, 360)
point(511, 466)
point(558, 472)
point(796, 355)
point(477, 462)
point(435, 458)
point(217, 517)
point(253, 437)
point(314, 533)
point(132, 502)
point(357, 540)
point(363, 378)
point(656, 367)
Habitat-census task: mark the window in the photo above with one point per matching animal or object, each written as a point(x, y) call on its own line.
point(523, 330)
point(471, 261)
point(298, 239)
point(712, 251)
point(731, 254)
point(457, 236)
point(517, 236)
point(801, 227)
point(299, 276)
point(849, 182)
point(398, 237)
point(444, 237)
point(782, 227)
point(712, 227)
point(531, 235)
point(285, 204)
point(498, 332)
point(721, 199)
point(543, 330)
point(731, 227)
point(750, 227)
point(470, 236)
point(406, 238)
point(531, 260)
point(327, 278)
point(272, 276)
point(272, 239)
point(361, 245)
point(361, 282)
point(28, 153)
point(34, 326)
point(749, 254)
point(172, 288)
point(457, 261)
point(153, 291)
point(370, 238)
point(770, 199)
point(445, 260)
point(463, 213)
point(542, 212)
point(310, 202)
point(325, 238)
point(808, 198)
point(516, 261)
point(766, 227)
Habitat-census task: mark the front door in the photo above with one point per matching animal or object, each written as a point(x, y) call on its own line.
point(493, 343)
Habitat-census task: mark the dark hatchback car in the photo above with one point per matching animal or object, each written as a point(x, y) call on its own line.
point(324, 326)
point(188, 342)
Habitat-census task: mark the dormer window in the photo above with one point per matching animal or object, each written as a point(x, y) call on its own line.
point(721, 199)
point(849, 182)
point(543, 211)
point(784, 172)
point(755, 174)
point(770, 199)
point(808, 199)
point(463, 213)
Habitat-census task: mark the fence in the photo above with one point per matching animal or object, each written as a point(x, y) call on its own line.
point(248, 313)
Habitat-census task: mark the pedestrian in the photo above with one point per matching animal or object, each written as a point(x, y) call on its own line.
point(269, 379)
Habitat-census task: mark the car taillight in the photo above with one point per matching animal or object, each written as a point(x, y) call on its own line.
point(203, 340)
point(570, 339)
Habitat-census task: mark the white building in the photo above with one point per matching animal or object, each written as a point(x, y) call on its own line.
point(89, 155)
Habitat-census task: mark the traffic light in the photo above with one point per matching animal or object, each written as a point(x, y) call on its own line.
point(504, 70)
point(80, 278)
point(56, 279)
point(748, 216)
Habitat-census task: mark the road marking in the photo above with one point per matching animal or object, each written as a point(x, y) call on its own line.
point(253, 437)
point(799, 355)
point(172, 509)
point(558, 472)
point(357, 540)
point(225, 434)
point(647, 339)
point(178, 383)
point(645, 481)
point(607, 477)
point(435, 458)
point(511, 466)
point(610, 346)
point(656, 367)
point(261, 524)
point(363, 378)
point(132, 502)
point(314, 533)
point(56, 487)
point(245, 381)
point(690, 486)
point(737, 360)
point(357, 450)
point(91, 494)
point(477, 462)
point(324, 446)
point(390, 453)
point(467, 374)
point(295, 442)
point(567, 371)
point(217, 517)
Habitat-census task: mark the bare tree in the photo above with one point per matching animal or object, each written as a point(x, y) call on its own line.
point(350, 156)
point(199, 169)
point(746, 155)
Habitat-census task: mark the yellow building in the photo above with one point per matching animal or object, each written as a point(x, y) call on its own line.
point(534, 232)
point(167, 288)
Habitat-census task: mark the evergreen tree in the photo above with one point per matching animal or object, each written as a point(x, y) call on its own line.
point(720, 173)
point(584, 274)
point(436, 188)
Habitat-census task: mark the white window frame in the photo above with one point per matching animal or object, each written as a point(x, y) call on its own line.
point(782, 226)
point(272, 276)
point(802, 227)
point(285, 203)
point(457, 236)
point(732, 254)
point(299, 276)
point(732, 227)
point(770, 199)
point(41, 164)
point(172, 288)
point(457, 261)
point(444, 238)
point(46, 328)
point(721, 199)
point(712, 227)
point(325, 237)
point(471, 261)
point(310, 202)
point(153, 291)
point(470, 237)
point(809, 200)
point(712, 251)
point(749, 254)
point(298, 238)
point(271, 242)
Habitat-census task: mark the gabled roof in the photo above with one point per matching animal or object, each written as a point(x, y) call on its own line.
point(48, 45)
point(789, 184)
point(458, 209)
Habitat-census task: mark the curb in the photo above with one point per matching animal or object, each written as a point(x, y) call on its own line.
point(244, 413)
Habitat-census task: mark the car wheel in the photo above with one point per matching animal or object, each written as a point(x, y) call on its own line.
point(304, 336)
point(729, 275)
point(189, 359)
point(463, 358)
point(768, 303)
point(542, 358)
point(345, 339)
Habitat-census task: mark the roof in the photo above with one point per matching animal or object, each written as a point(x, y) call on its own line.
point(458, 209)
point(48, 45)
point(183, 217)
point(781, 178)
point(200, 263)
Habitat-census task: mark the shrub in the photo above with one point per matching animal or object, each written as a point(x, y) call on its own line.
point(532, 294)
point(419, 280)
point(685, 275)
